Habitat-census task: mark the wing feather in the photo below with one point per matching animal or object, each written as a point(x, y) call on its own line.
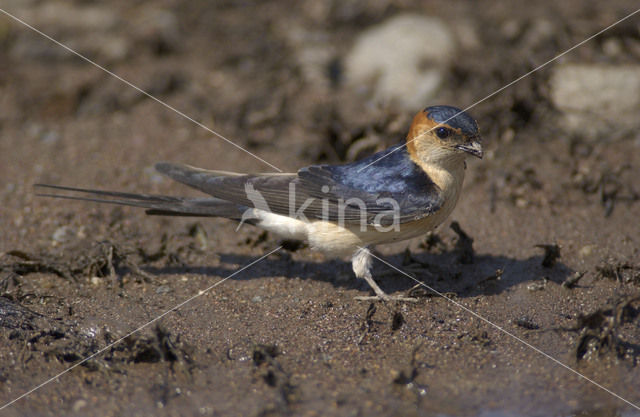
point(323, 192)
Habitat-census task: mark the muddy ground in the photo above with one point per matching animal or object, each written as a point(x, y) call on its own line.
point(285, 336)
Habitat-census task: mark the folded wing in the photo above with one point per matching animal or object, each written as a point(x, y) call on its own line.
point(331, 193)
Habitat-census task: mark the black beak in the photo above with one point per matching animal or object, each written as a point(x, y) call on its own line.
point(474, 148)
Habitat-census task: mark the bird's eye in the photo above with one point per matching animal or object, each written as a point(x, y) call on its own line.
point(443, 132)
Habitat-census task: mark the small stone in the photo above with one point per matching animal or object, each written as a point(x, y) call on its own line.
point(113, 48)
point(401, 60)
point(62, 234)
point(163, 289)
point(511, 29)
point(71, 16)
point(586, 251)
point(539, 285)
point(79, 405)
point(592, 98)
point(612, 47)
point(158, 28)
point(50, 137)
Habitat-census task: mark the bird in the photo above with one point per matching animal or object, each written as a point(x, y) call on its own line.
point(396, 194)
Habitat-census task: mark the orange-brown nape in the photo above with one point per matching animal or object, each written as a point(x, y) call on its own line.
point(420, 126)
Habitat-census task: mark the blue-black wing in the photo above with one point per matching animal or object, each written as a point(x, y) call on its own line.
point(393, 190)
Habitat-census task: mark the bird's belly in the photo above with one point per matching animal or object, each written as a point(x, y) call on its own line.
point(410, 230)
point(403, 232)
point(322, 236)
point(283, 226)
point(335, 240)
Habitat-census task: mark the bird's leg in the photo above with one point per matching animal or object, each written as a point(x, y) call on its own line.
point(361, 263)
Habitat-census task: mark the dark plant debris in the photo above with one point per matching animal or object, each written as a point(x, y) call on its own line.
point(273, 374)
point(349, 139)
point(480, 338)
point(599, 330)
point(173, 256)
point(493, 277)
point(433, 243)
point(367, 324)
point(161, 346)
point(8, 281)
point(551, 254)
point(520, 186)
point(526, 323)
point(608, 186)
point(420, 291)
point(258, 240)
point(397, 321)
point(407, 377)
point(26, 263)
point(409, 259)
point(263, 353)
point(432, 271)
point(464, 245)
point(160, 253)
point(14, 316)
point(199, 233)
point(60, 340)
point(102, 260)
point(623, 272)
point(572, 280)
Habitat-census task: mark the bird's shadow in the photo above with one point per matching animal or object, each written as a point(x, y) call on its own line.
point(445, 272)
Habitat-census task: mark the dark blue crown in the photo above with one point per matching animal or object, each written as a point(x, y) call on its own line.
point(454, 117)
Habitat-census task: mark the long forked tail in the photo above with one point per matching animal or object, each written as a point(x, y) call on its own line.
point(154, 204)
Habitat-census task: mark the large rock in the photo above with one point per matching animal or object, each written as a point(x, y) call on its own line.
point(401, 60)
point(597, 98)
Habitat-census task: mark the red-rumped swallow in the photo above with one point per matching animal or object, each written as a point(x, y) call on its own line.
point(396, 194)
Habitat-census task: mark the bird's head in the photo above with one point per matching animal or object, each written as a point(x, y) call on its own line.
point(443, 133)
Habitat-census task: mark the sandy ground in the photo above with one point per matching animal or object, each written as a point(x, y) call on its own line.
point(285, 336)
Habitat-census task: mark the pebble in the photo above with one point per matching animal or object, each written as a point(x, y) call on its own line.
point(538, 285)
point(62, 234)
point(313, 53)
point(89, 30)
point(157, 27)
point(50, 137)
point(596, 99)
point(586, 251)
point(163, 289)
point(63, 15)
point(79, 405)
point(401, 60)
